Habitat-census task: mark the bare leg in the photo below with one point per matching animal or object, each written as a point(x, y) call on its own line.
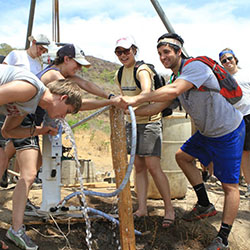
point(10, 151)
point(161, 182)
point(231, 202)
point(28, 160)
point(185, 162)
point(141, 182)
point(3, 162)
point(245, 165)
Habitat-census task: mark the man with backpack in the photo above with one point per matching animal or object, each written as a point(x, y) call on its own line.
point(220, 135)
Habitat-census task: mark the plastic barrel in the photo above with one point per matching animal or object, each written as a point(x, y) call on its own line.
point(68, 172)
point(176, 130)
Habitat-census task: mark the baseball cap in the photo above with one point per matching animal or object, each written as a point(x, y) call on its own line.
point(125, 42)
point(40, 40)
point(74, 52)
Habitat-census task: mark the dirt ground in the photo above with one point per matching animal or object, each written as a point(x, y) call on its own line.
point(70, 233)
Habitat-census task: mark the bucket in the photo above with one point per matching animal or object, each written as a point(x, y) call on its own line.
point(176, 130)
point(87, 170)
point(68, 172)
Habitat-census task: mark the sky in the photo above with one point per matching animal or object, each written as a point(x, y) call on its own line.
point(207, 26)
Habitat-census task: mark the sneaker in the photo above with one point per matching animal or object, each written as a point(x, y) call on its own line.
point(30, 206)
point(38, 180)
point(217, 244)
point(14, 179)
point(247, 194)
point(205, 175)
point(242, 181)
point(4, 181)
point(200, 212)
point(21, 239)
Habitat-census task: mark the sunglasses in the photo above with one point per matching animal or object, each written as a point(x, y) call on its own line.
point(230, 58)
point(120, 52)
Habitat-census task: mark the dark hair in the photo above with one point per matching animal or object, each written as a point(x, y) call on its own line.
point(58, 60)
point(176, 48)
point(66, 50)
point(235, 58)
point(134, 48)
point(170, 35)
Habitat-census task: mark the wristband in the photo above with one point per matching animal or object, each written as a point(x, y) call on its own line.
point(110, 95)
point(32, 130)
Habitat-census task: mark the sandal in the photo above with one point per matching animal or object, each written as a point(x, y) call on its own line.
point(166, 223)
point(137, 217)
point(3, 246)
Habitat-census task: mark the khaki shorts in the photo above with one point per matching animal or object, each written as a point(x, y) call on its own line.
point(149, 139)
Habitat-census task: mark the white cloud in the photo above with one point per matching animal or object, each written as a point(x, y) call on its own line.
point(206, 29)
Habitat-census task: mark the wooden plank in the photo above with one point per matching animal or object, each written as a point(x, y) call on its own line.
point(13, 172)
point(93, 185)
point(120, 163)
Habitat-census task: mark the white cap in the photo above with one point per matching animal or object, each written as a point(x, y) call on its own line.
point(40, 40)
point(75, 52)
point(125, 42)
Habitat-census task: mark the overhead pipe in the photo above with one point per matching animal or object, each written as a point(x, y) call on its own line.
point(55, 21)
point(30, 23)
point(165, 20)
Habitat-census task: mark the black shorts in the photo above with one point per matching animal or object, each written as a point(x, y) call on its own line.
point(247, 136)
point(29, 142)
point(2, 139)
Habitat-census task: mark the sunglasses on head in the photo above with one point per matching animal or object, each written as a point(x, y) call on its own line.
point(124, 51)
point(230, 58)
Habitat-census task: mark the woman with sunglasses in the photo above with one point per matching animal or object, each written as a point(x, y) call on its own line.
point(230, 63)
point(149, 131)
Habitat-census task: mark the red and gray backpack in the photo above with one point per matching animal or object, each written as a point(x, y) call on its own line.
point(229, 87)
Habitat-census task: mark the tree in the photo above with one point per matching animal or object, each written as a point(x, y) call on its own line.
point(5, 49)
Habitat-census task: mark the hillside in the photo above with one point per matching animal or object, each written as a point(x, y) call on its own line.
point(101, 72)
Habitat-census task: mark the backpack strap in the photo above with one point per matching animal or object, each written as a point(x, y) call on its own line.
point(119, 74)
point(137, 65)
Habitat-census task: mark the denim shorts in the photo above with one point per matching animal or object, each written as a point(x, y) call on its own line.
point(225, 152)
point(149, 139)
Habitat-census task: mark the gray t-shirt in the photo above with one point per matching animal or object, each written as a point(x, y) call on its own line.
point(10, 73)
point(213, 115)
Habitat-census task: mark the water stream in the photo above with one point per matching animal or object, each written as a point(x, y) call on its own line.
point(70, 136)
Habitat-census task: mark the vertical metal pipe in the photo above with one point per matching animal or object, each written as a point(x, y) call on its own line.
point(162, 15)
point(165, 20)
point(55, 22)
point(30, 24)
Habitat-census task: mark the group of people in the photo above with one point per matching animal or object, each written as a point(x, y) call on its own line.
point(219, 139)
point(26, 94)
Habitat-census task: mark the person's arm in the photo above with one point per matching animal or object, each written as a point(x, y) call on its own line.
point(145, 81)
point(151, 109)
point(17, 91)
point(89, 104)
point(163, 94)
point(12, 129)
point(50, 76)
point(90, 87)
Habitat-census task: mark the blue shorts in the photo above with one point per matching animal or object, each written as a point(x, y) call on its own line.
point(225, 152)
